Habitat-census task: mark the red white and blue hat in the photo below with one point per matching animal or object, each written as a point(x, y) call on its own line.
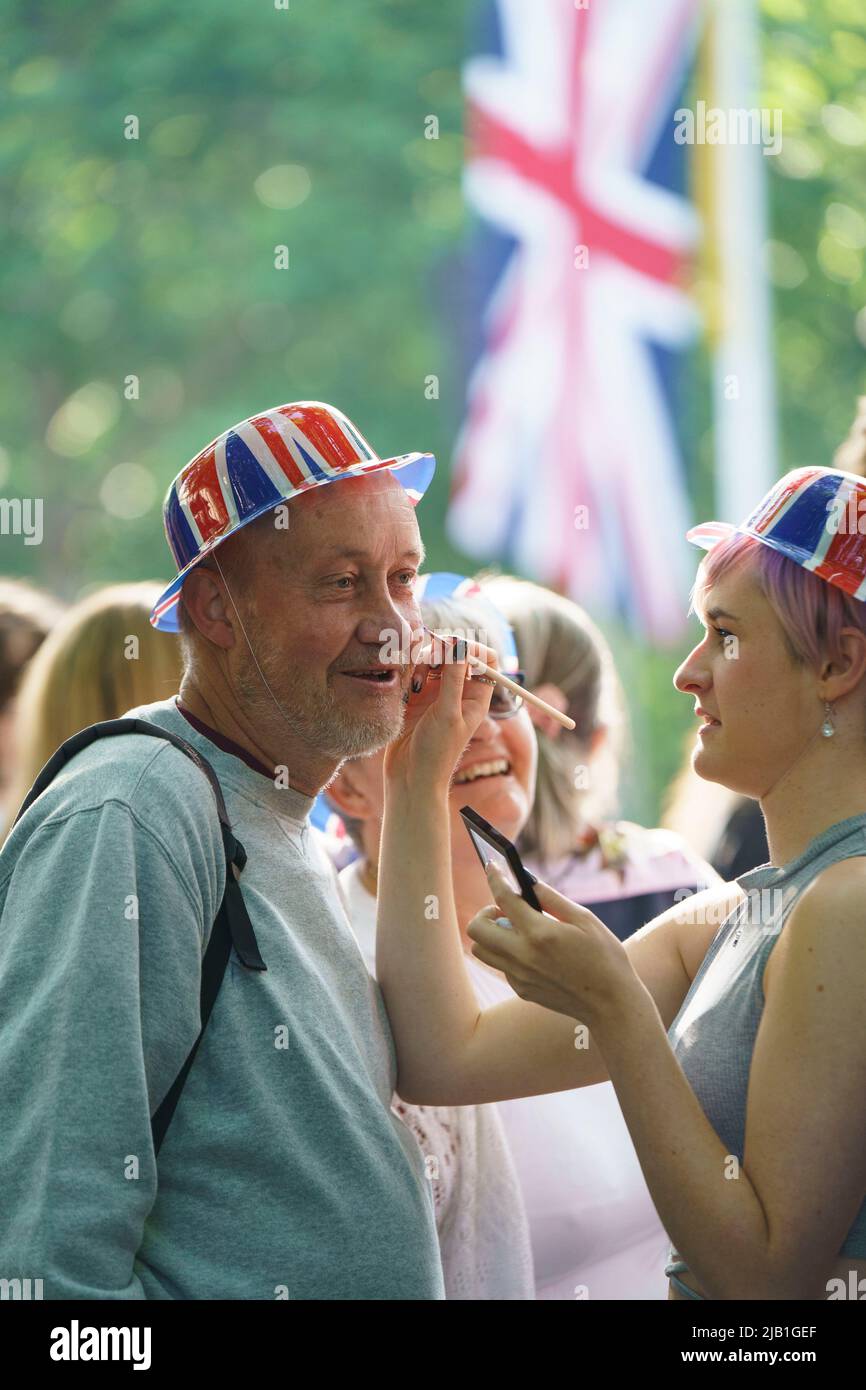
point(812, 515)
point(253, 467)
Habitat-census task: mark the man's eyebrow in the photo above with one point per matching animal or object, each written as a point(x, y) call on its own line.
point(349, 552)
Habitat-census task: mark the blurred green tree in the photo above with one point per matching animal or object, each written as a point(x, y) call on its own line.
point(153, 159)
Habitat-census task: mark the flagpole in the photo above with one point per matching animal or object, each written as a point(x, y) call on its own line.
point(744, 377)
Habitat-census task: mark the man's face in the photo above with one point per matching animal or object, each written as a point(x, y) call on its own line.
point(331, 598)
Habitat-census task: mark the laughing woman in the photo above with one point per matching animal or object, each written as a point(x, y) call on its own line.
point(732, 1027)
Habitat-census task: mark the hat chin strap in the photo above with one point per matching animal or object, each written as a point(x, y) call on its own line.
point(250, 645)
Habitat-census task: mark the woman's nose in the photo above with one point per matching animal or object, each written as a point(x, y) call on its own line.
point(691, 675)
point(487, 731)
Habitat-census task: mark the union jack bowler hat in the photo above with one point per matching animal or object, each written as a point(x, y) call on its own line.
point(256, 465)
point(815, 516)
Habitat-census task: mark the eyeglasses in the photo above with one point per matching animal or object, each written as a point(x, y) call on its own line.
point(504, 704)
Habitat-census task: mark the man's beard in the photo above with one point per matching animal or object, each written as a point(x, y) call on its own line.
point(312, 714)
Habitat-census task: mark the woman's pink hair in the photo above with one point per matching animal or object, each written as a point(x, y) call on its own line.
point(811, 611)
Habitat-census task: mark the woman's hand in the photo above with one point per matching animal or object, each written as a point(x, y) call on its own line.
point(445, 707)
point(573, 965)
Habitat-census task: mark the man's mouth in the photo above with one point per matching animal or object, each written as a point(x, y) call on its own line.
point(497, 767)
point(374, 675)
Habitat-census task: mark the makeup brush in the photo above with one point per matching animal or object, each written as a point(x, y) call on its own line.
point(529, 696)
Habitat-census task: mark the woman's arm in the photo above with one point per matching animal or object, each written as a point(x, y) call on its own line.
point(449, 1052)
point(772, 1229)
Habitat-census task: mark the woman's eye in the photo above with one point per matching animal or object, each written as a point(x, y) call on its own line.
point(723, 632)
point(409, 576)
point(347, 578)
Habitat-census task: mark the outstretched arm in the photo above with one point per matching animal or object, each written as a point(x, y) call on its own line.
point(449, 1052)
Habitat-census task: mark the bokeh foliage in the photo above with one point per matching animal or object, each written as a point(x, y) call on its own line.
point(304, 127)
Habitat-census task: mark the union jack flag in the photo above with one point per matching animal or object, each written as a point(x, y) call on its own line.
point(568, 465)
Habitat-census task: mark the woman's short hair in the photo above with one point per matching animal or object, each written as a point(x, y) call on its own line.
point(812, 613)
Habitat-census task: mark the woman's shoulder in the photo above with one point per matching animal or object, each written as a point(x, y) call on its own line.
point(840, 886)
point(823, 930)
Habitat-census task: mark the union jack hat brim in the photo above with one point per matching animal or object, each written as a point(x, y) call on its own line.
point(710, 533)
point(253, 468)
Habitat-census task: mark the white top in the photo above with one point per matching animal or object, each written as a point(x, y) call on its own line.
point(594, 1230)
point(480, 1218)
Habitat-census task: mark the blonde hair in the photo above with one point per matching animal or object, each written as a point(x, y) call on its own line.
point(87, 669)
point(27, 615)
point(851, 453)
point(559, 644)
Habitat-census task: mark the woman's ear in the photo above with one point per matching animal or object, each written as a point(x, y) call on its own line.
point(839, 678)
point(597, 739)
point(545, 723)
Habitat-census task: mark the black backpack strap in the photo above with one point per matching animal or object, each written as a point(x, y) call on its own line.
point(232, 926)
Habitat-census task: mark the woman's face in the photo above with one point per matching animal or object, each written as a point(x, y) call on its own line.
point(758, 709)
point(495, 776)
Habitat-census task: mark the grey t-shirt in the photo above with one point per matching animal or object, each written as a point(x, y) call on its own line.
point(284, 1172)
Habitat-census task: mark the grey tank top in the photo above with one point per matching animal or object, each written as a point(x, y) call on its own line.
point(713, 1035)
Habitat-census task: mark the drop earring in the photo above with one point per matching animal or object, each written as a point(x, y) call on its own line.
point(828, 728)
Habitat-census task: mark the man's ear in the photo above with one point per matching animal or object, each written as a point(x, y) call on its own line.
point(206, 606)
point(348, 796)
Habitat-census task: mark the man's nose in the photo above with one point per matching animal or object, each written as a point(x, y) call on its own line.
point(384, 623)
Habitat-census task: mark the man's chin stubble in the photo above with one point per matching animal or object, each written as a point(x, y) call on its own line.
point(345, 737)
point(317, 720)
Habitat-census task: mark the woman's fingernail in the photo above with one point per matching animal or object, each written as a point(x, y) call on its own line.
point(417, 683)
point(460, 650)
